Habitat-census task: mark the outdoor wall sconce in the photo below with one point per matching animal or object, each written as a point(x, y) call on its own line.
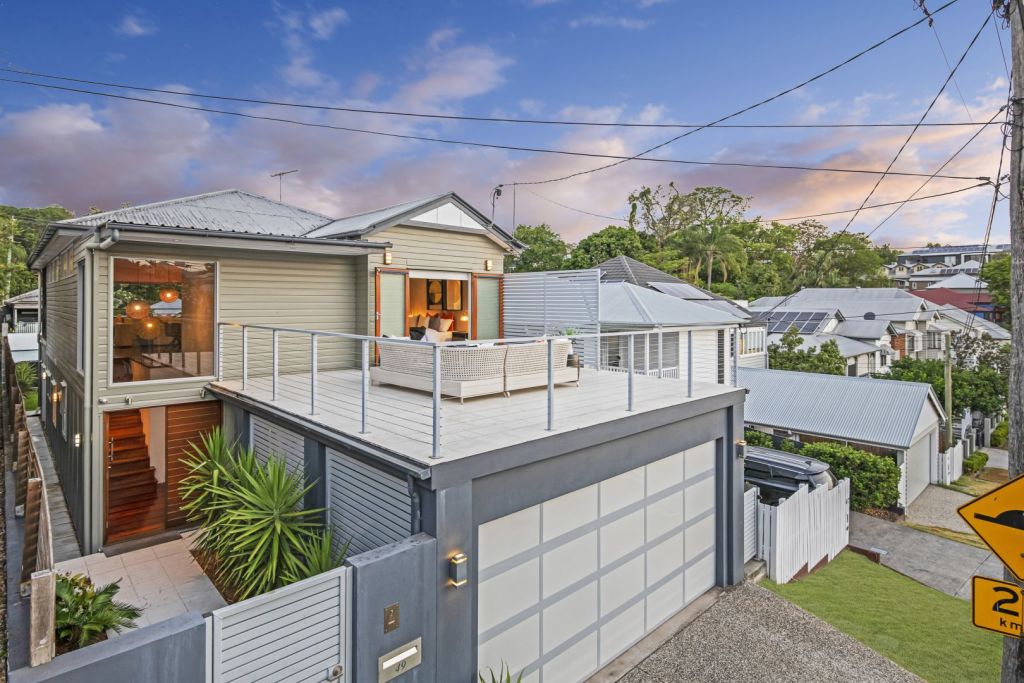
point(78, 440)
point(458, 570)
point(464, 318)
point(488, 264)
point(741, 449)
point(387, 258)
point(44, 375)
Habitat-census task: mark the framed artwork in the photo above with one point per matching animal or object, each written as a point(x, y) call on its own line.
point(435, 295)
point(453, 295)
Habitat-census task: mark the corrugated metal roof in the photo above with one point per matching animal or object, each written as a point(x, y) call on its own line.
point(24, 346)
point(359, 223)
point(683, 290)
point(864, 409)
point(25, 298)
point(627, 304)
point(847, 346)
point(962, 317)
point(863, 329)
point(853, 302)
point(225, 211)
point(958, 281)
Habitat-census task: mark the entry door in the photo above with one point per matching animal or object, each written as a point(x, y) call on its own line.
point(392, 290)
point(487, 307)
point(186, 424)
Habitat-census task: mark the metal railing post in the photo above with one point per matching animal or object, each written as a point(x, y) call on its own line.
point(551, 384)
point(647, 354)
point(629, 399)
point(736, 357)
point(436, 443)
point(365, 384)
point(660, 357)
point(274, 364)
point(689, 364)
point(312, 374)
point(245, 356)
point(220, 353)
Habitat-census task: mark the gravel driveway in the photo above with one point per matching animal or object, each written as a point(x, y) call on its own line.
point(751, 634)
point(936, 506)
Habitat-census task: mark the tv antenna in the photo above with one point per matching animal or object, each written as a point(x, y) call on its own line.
point(280, 183)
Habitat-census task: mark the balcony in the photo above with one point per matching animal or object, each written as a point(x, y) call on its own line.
point(428, 401)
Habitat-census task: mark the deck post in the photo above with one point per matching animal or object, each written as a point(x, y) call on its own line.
point(689, 364)
point(660, 357)
point(245, 356)
point(273, 351)
point(220, 353)
point(647, 354)
point(551, 384)
point(312, 374)
point(736, 357)
point(629, 383)
point(364, 384)
point(436, 436)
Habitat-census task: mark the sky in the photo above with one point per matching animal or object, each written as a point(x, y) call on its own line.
point(623, 61)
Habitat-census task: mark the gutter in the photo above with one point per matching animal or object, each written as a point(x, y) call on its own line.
point(217, 234)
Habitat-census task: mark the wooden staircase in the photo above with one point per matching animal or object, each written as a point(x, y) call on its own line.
point(134, 497)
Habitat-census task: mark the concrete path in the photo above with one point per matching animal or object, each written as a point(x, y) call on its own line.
point(751, 634)
point(938, 562)
point(997, 457)
point(936, 506)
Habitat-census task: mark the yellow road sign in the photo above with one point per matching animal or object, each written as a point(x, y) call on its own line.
point(997, 606)
point(998, 518)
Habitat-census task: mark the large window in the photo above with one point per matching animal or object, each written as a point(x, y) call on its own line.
point(163, 325)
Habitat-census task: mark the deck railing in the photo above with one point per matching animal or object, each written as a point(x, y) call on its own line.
point(280, 359)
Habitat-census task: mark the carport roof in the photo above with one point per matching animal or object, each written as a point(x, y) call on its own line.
point(863, 409)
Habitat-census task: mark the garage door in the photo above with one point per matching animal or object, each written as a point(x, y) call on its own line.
point(568, 585)
point(918, 460)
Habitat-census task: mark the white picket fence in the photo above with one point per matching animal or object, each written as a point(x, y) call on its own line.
point(802, 531)
point(750, 504)
point(296, 633)
point(948, 466)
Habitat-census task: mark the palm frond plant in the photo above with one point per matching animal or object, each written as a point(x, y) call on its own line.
point(84, 612)
point(503, 675)
point(26, 375)
point(207, 464)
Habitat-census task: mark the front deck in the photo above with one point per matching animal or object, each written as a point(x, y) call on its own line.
point(401, 420)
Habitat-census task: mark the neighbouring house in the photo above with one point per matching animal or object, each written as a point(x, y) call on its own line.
point(951, 255)
point(865, 344)
point(752, 334)
point(21, 312)
point(900, 420)
point(363, 350)
point(976, 303)
point(963, 275)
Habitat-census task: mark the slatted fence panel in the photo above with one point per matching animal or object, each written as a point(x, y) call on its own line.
point(292, 634)
point(269, 439)
point(369, 508)
point(535, 304)
point(750, 524)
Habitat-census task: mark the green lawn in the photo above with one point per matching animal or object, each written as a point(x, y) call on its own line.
point(923, 630)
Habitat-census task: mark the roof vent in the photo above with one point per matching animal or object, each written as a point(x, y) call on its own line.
point(869, 315)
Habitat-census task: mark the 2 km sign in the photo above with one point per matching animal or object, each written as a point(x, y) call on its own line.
point(996, 606)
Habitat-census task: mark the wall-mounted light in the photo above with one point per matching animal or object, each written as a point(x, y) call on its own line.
point(488, 264)
point(44, 375)
point(78, 440)
point(741, 449)
point(387, 258)
point(458, 570)
point(464, 318)
point(55, 396)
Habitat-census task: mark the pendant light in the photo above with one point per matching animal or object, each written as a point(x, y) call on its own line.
point(137, 309)
point(168, 295)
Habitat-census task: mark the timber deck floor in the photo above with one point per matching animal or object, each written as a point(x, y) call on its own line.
point(65, 543)
point(401, 420)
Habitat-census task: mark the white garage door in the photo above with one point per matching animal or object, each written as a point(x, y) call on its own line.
point(568, 585)
point(918, 460)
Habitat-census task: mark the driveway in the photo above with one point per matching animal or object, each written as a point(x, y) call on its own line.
point(936, 506)
point(751, 634)
point(938, 562)
point(997, 457)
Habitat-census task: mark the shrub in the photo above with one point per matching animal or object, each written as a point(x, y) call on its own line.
point(756, 438)
point(503, 675)
point(975, 461)
point(85, 612)
point(31, 399)
point(1000, 435)
point(874, 479)
point(26, 375)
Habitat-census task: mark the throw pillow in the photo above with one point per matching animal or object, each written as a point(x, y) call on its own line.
point(445, 324)
point(432, 335)
point(435, 323)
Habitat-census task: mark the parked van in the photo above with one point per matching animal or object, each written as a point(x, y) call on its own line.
point(779, 474)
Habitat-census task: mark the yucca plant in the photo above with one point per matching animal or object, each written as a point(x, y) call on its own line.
point(504, 675)
point(316, 555)
point(207, 463)
point(258, 532)
point(84, 612)
point(26, 375)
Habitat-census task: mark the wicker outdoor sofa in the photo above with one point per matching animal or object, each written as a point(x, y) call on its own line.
point(468, 371)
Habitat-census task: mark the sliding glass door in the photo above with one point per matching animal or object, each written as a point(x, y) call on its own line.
point(392, 291)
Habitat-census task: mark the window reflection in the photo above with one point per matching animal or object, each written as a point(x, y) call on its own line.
point(163, 319)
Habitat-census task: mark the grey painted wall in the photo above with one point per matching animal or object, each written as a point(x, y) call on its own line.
point(402, 573)
point(171, 651)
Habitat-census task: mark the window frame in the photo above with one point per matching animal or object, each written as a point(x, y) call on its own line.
point(110, 383)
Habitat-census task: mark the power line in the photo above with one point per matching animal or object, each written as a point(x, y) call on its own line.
point(447, 117)
point(942, 49)
point(745, 109)
point(879, 206)
point(470, 143)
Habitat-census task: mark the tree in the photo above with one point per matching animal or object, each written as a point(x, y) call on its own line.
point(844, 260)
point(711, 217)
point(658, 212)
point(545, 250)
point(787, 355)
point(604, 244)
point(771, 261)
point(983, 388)
point(20, 229)
point(996, 274)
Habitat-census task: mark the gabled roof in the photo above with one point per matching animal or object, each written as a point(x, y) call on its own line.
point(958, 281)
point(854, 302)
point(968, 301)
point(368, 222)
point(29, 298)
point(623, 303)
point(864, 329)
point(234, 211)
point(873, 411)
point(848, 346)
point(965, 319)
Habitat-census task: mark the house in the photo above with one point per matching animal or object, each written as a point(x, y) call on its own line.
point(753, 347)
point(921, 276)
point(976, 303)
point(899, 420)
point(952, 255)
point(21, 312)
point(867, 346)
point(529, 483)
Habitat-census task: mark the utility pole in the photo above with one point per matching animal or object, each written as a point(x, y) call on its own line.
point(949, 389)
point(1013, 653)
